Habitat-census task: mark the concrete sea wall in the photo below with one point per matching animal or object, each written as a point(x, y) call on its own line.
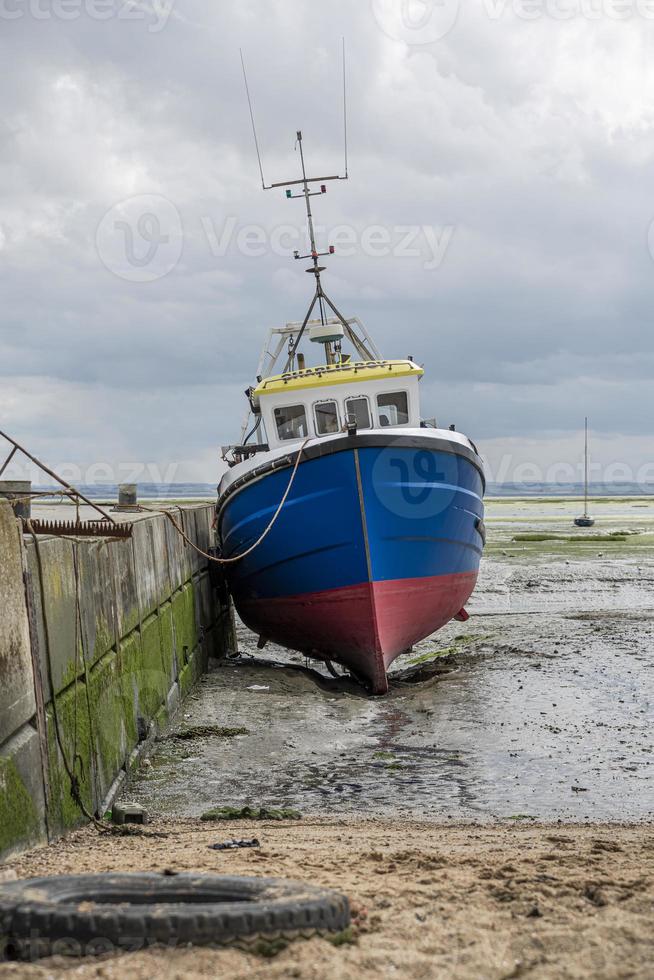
point(99, 641)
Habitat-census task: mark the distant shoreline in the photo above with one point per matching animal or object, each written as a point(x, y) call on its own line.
point(207, 491)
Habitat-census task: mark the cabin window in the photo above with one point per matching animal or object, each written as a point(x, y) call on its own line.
point(393, 408)
point(327, 420)
point(291, 422)
point(358, 407)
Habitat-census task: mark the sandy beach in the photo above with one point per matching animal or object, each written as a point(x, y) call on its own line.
point(429, 900)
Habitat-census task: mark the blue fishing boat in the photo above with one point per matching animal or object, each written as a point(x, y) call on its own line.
point(350, 527)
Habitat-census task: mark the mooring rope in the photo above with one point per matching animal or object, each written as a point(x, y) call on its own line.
point(180, 530)
point(260, 539)
point(14, 499)
point(75, 789)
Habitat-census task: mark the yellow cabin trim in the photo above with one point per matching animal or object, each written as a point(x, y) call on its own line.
point(337, 374)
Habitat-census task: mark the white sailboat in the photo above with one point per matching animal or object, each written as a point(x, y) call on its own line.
point(585, 520)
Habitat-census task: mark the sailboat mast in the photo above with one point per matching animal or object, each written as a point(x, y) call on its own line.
point(585, 466)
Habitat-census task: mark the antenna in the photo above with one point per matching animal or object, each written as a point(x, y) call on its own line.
point(254, 128)
point(288, 183)
point(344, 108)
point(315, 269)
point(320, 297)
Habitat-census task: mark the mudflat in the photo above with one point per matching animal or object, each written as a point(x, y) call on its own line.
point(540, 706)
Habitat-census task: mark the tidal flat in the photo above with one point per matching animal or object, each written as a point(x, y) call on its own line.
point(538, 708)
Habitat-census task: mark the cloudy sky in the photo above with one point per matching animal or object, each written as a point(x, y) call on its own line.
point(496, 224)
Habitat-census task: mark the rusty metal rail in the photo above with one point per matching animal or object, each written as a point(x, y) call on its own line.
point(82, 529)
point(71, 491)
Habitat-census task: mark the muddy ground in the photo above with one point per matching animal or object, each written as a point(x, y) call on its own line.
point(490, 817)
point(539, 707)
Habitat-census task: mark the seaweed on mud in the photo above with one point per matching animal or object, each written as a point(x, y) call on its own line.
point(613, 536)
point(432, 655)
point(251, 813)
point(463, 639)
point(344, 938)
point(269, 948)
point(207, 731)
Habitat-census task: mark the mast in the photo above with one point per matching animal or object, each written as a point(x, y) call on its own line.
point(320, 296)
point(586, 466)
point(307, 195)
point(315, 269)
point(364, 347)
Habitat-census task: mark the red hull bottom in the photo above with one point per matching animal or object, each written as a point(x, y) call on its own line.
point(363, 627)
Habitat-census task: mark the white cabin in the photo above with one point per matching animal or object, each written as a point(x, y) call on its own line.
point(331, 398)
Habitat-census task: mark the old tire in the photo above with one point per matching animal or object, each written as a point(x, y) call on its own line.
point(82, 915)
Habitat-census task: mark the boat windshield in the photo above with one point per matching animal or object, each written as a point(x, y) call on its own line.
point(358, 407)
point(326, 418)
point(393, 408)
point(291, 422)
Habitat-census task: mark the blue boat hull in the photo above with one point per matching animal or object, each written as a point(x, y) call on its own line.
point(377, 546)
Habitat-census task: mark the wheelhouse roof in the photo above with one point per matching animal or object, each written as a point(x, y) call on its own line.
point(334, 374)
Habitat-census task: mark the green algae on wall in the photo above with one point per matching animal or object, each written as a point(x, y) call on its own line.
point(124, 671)
point(153, 683)
point(114, 727)
point(19, 822)
point(185, 623)
point(167, 633)
point(103, 640)
point(192, 672)
point(77, 738)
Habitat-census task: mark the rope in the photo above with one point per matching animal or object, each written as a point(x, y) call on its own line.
point(260, 539)
point(13, 499)
point(75, 791)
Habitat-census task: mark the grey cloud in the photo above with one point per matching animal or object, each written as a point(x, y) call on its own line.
point(505, 131)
